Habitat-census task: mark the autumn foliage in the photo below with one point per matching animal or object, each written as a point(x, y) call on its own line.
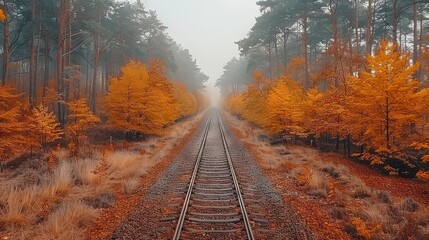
point(144, 100)
point(79, 120)
point(141, 100)
point(12, 128)
point(380, 108)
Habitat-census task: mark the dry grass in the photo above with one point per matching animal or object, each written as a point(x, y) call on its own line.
point(130, 185)
point(67, 221)
point(365, 212)
point(318, 185)
point(38, 201)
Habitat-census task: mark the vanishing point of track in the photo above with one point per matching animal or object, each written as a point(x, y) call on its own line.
point(213, 202)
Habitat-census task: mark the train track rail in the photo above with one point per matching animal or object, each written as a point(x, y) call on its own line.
point(213, 205)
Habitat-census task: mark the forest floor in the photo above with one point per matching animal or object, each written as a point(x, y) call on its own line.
point(70, 200)
point(338, 198)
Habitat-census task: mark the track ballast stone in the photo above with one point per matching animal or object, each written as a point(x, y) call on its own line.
point(155, 217)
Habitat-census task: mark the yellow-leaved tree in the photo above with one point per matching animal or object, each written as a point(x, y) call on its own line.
point(285, 112)
point(254, 99)
point(187, 104)
point(326, 113)
point(140, 100)
point(79, 120)
point(44, 125)
point(13, 130)
point(2, 15)
point(161, 108)
point(124, 102)
point(385, 103)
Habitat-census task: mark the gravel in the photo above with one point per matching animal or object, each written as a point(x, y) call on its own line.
point(155, 217)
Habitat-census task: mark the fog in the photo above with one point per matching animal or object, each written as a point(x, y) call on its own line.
point(208, 29)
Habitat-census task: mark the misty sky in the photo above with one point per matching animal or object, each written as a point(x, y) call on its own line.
point(208, 28)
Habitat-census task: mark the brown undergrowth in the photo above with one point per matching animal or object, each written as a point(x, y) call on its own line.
point(111, 218)
point(63, 197)
point(336, 197)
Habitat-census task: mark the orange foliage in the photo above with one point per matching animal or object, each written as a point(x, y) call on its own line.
point(143, 101)
point(44, 125)
point(79, 120)
point(326, 112)
point(13, 129)
point(285, 113)
point(51, 95)
point(187, 102)
point(365, 230)
point(295, 68)
point(385, 102)
point(251, 104)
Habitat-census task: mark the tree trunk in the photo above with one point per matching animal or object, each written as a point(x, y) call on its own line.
point(46, 67)
point(357, 26)
point(415, 38)
point(32, 72)
point(5, 46)
point(95, 73)
point(270, 62)
point(285, 38)
point(387, 124)
point(305, 48)
point(369, 28)
point(63, 16)
point(395, 21)
point(277, 57)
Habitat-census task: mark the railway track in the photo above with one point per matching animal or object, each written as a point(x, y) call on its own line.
point(214, 205)
point(202, 196)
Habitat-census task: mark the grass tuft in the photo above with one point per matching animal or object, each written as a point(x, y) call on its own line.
point(409, 205)
point(67, 221)
point(130, 186)
point(318, 185)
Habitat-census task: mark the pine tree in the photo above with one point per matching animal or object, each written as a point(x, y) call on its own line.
point(13, 130)
point(79, 120)
point(385, 101)
point(124, 103)
point(44, 125)
point(141, 100)
point(159, 102)
point(187, 104)
point(285, 112)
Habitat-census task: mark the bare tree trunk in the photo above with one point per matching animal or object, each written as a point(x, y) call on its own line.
point(63, 16)
point(357, 26)
point(95, 73)
point(305, 48)
point(333, 4)
point(285, 38)
point(395, 21)
point(270, 62)
point(46, 73)
point(32, 72)
point(369, 28)
point(415, 37)
point(277, 57)
point(5, 46)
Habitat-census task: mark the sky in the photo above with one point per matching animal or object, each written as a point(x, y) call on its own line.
point(208, 28)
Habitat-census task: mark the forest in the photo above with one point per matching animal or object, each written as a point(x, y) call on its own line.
point(71, 66)
point(349, 76)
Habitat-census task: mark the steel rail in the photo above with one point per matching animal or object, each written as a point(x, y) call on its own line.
point(182, 216)
point(246, 220)
point(244, 216)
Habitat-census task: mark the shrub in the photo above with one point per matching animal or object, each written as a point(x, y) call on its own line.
point(367, 231)
point(318, 185)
